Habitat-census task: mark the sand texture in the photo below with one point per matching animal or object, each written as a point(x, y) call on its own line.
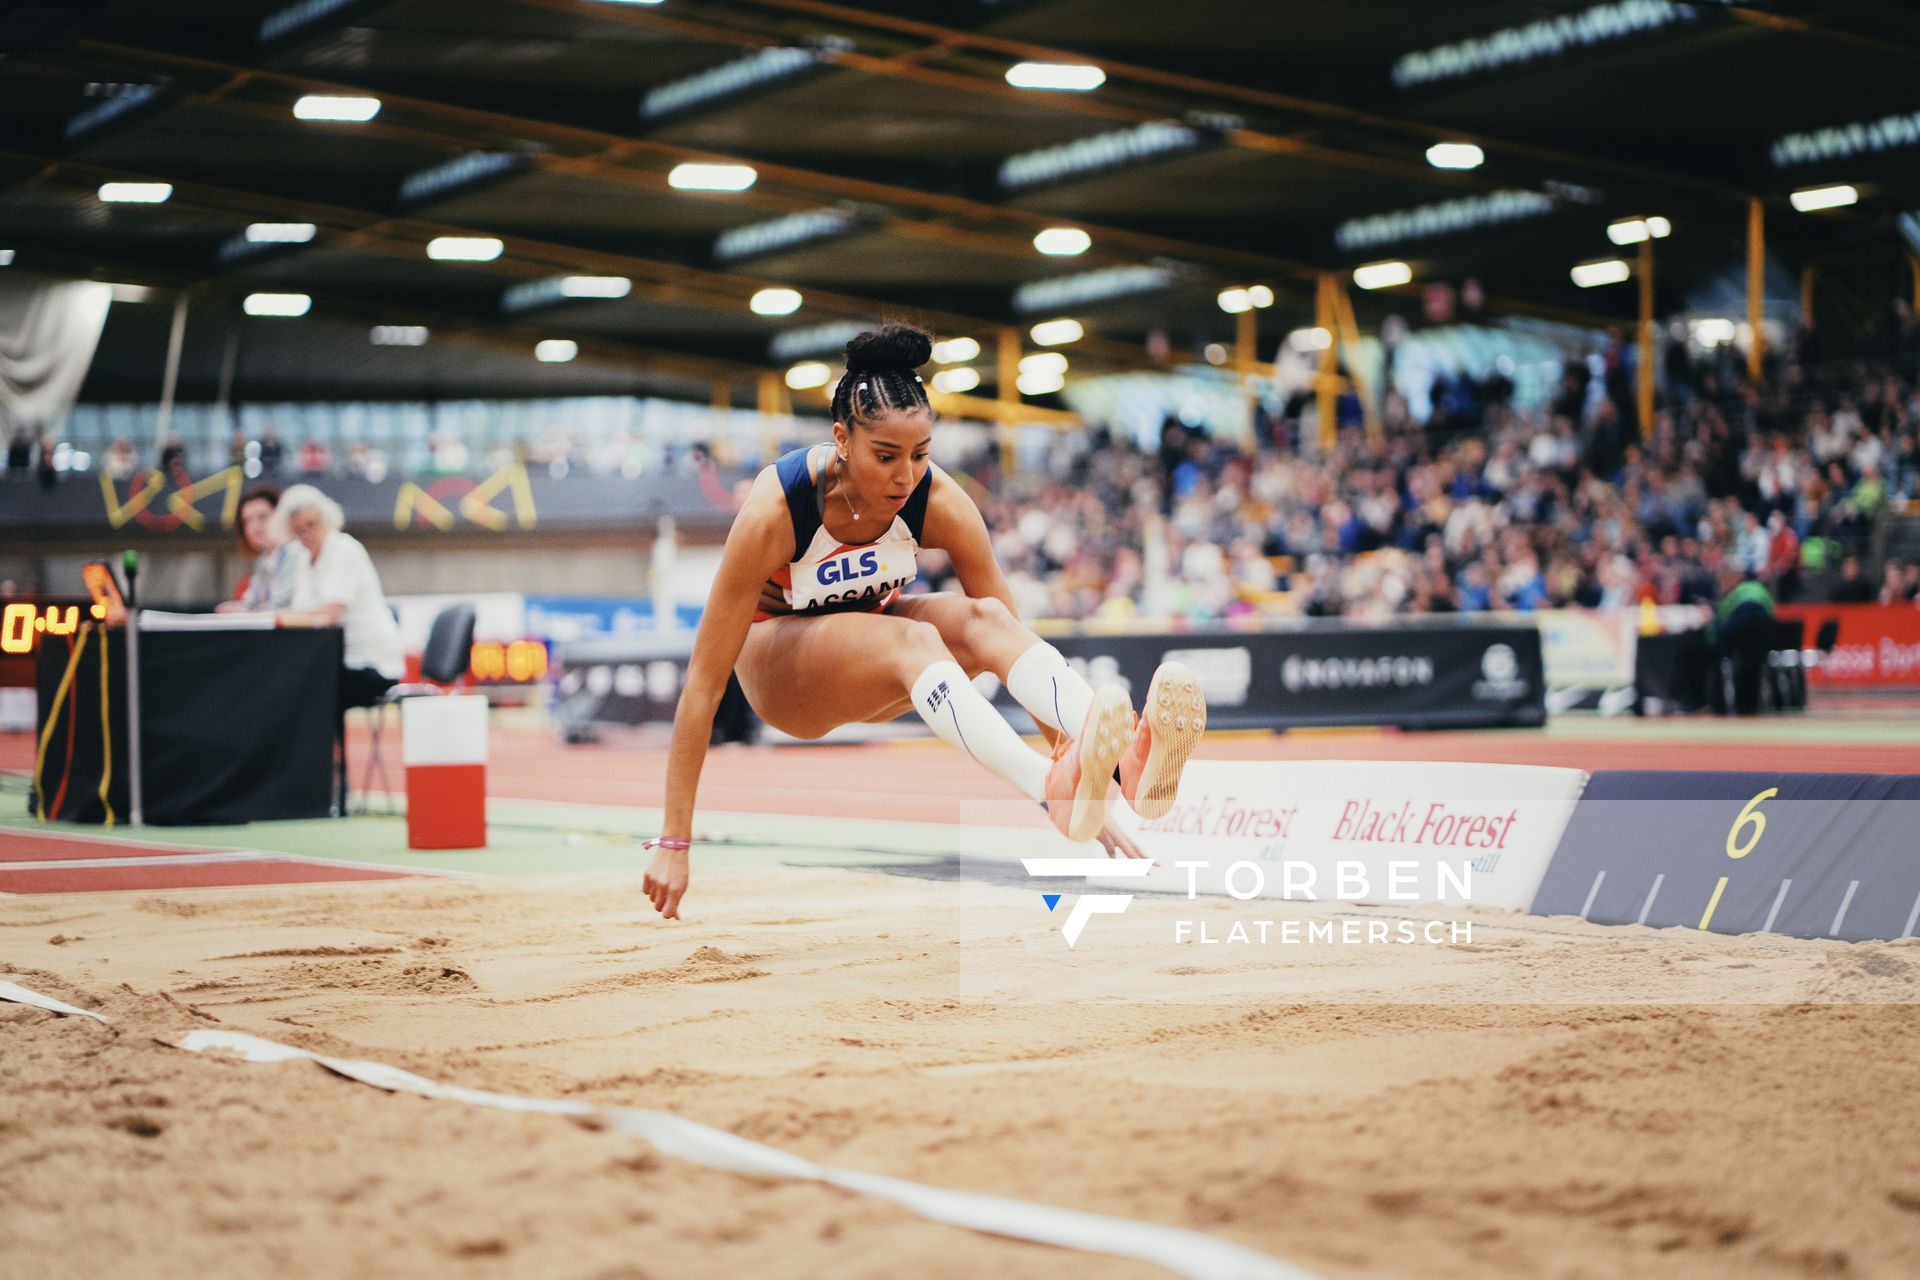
point(1553, 1100)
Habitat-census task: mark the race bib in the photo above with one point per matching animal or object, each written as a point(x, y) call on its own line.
point(852, 575)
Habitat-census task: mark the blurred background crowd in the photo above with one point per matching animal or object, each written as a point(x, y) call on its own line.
point(1486, 505)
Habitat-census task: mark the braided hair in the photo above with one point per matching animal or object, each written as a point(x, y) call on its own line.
point(880, 374)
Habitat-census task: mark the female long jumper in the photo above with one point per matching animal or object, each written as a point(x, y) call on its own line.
point(806, 609)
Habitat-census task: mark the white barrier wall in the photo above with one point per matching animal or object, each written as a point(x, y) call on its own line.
point(1363, 831)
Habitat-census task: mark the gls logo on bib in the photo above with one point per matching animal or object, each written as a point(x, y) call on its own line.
point(856, 575)
point(850, 568)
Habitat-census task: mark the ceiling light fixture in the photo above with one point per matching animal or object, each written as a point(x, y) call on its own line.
point(1040, 384)
point(1063, 242)
point(595, 286)
point(280, 232)
point(1382, 275)
point(1455, 155)
point(955, 351)
point(1071, 77)
point(1634, 230)
point(1824, 198)
point(347, 110)
point(464, 248)
point(136, 192)
point(712, 177)
point(277, 304)
point(1056, 333)
point(1590, 275)
point(807, 376)
point(955, 381)
point(775, 302)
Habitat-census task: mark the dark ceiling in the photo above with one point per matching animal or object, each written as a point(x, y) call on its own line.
point(897, 117)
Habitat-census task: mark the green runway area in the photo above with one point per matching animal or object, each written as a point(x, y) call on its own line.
point(528, 837)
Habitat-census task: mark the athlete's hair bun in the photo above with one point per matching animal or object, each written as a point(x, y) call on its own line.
point(890, 347)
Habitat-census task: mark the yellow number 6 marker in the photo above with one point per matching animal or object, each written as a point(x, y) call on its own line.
point(1749, 816)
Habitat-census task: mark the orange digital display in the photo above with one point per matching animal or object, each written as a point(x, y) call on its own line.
point(22, 623)
point(521, 662)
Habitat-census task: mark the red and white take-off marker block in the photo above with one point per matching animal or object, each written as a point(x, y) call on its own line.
point(444, 746)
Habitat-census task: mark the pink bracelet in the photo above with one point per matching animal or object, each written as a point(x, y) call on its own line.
point(678, 846)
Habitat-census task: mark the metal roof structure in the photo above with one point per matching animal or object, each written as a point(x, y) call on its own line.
point(898, 172)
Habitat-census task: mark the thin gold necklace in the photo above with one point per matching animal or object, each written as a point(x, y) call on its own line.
point(846, 494)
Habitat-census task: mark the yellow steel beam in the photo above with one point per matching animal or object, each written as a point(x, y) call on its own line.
point(1644, 372)
point(1326, 387)
point(1007, 388)
point(1349, 336)
point(1756, 285)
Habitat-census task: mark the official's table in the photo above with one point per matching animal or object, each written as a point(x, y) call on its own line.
point(236, 726)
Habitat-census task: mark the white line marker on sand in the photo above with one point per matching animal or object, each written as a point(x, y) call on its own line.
point(1652, 893)
point(1187, 1253)
point(1841, 914)
point(1592, 894)
point(1778, 898)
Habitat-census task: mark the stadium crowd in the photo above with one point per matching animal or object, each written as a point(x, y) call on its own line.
point(1486, 506)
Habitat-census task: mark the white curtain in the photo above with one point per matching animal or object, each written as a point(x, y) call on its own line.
point(48, 332)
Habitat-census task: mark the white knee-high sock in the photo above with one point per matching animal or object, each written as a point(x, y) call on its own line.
point(949, 703)
point(1052, 692)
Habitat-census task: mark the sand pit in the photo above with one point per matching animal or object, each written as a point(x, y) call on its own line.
point(1550, 1100)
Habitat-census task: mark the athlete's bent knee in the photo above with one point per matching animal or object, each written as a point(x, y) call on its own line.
point(920, 644)
point(991, 612)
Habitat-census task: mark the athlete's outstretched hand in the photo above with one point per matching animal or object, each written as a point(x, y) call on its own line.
point(667, 881)
point(1116, 843)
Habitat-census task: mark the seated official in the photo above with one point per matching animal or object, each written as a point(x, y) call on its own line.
point(338, 586)
point(276, 565)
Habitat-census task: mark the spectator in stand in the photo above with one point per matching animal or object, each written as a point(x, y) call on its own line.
point(1900, 583)
point(1853, 587)
point(270, 584)
point(314, 458)
point(273, 454)
point(1782, 568)
point(339, 587)
point(173, 462)
point(120, 460)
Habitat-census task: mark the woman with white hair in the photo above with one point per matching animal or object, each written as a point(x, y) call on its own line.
point(339, 587)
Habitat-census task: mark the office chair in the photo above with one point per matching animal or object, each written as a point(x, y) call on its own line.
point(448, 654)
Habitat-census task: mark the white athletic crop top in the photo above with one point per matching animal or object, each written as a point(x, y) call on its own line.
point(828, 576)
